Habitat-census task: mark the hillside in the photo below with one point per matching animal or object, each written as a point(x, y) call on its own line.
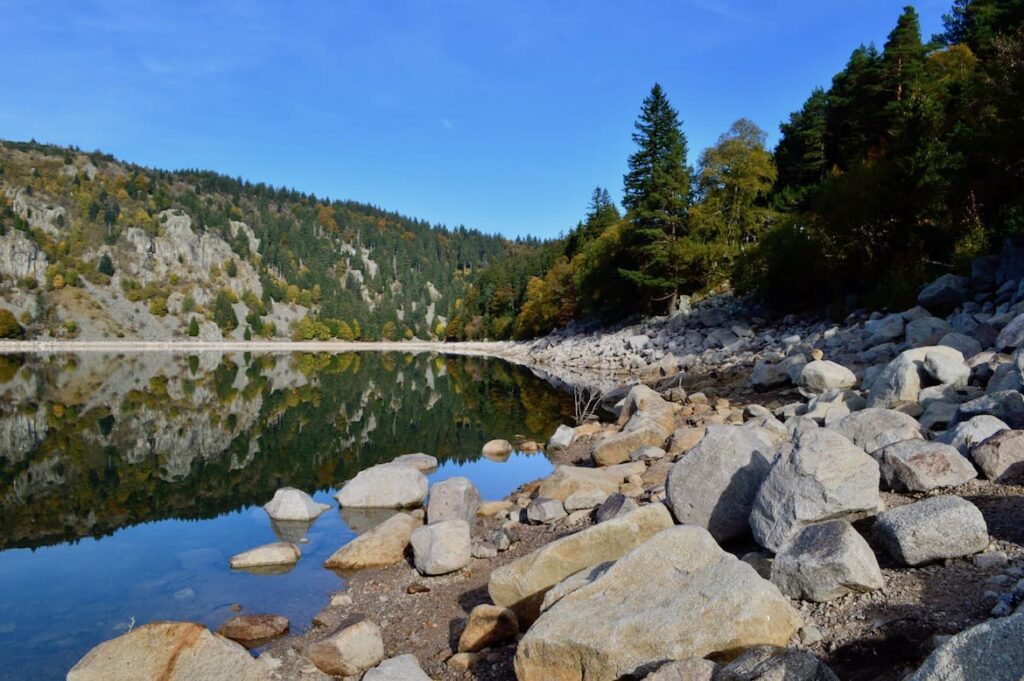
point(95, 248)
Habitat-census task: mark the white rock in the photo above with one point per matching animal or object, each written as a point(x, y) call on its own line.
point(384, 486)
point(293, 504)
point(441, 548)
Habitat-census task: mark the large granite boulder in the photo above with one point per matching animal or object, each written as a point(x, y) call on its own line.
point(932, 529)
point(1006, 405)
point(453, 499)
point(384, 486)
point(821, 375)
point(715, 484)
point(1001, 456)
point(773, 663)
point(521, 584)
point(293, 504)
point(568, 480)
point(442, 547)
point(616, 448)
point(819, 475)
point(385, 544)
point(921, 466)
point(632, 619)
point(825, 561)
point(945, 293)
point(171, 651)
point(967, 435)
point(901, 380)
point(872, 429)
point(991, 651)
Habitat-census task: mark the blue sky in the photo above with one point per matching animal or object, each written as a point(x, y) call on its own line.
point(498, 115)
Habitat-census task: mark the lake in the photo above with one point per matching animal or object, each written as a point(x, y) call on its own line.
point(127, 481)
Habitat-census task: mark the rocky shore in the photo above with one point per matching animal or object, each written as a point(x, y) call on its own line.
point(793, 500)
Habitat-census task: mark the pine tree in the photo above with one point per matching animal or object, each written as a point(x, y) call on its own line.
point(903, 59)
point(656, 194)
point(193, 328)
point(800, 154)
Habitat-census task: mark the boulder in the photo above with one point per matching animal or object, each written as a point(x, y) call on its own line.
point(945, 293)
point(621, 626)
point(1012, 335)
point(1005, 405)
point(821, 375)
point(932, 529)
point(487, 626)
point(170, 651)
point(269, 555)
point(946, 369)
point(424, 463)
point(252, 630)
point(350, 650)
point(383, 545)
point(614, 449)
point(384, 486)
point(884, 330)
point(496, 449)
point(690, 669)
point(921, 466)
point(521, 584)
point(819, 475)
point(542, 511)
point(573, 583)
point(968, 346)
point(769, 375)
point(873, 429)
point(902, 379)
point(684, 439)
point(453, 499)
point(715, 484)
point(1001, 456)
point(642, 403)
point(832, 406)
point(568, 480)
point(615, 506)
point(442, 547)
point(562, 438)
point(647, 454)
point(925, 329)
point(772, 663)
point(399, 668)
point(991, 651)
point(293, 504)
point(584, 499)
point(967, 435)
point(825, 561)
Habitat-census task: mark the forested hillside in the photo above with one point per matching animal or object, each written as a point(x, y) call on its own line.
point(94, 248)
point(907, 166)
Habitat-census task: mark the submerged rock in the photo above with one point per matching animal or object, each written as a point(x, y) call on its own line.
point(293, 504)
point(170, 651)
point(250, 630)
point(268, 555)
point(496, 449)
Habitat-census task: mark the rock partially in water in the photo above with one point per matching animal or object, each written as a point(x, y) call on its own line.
point(498, 450)
point(384, 486)
point(442, 547)
point(170, 651)
point(253, 630)
point(352, 649)
point(383, 545)
point(424, 463)
point(631, 620)
point(278, 554)
point(293, 504)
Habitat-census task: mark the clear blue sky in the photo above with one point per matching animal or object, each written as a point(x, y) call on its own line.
point(498, 115)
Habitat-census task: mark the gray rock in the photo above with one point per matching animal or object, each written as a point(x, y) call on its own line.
point(482, 548)
point(453, 499)
point(1001, 456)
point(945, 369)
point(690, 669)
point(496, 449)
point(545, 511)
point(872, 429)
point(821, 375)
point(938, 415)
point(818, 476)
point(584, 499)
point(714, 485)
point(647, 453)
point(442, 547)
point(418, 460)
point(293, 504)
point(825, 561)
point(967, 346)
point(932, 529)
point(277, 554)
point(350, 650)
point(562, 438)
point(615, 506)
point(1012, 335)
point(154, 651)
point(620, 626)
point(1006, 405)
point(926, 329)
point(991, 651)
point(832, 406)
point(945, 293)
point(574, 582)
point(902, 379)
point(384, 486)
point(772, 663)
point(884, 330)
point(921, 466)
point(768, 375)
point(965, 436)
point(399, 668)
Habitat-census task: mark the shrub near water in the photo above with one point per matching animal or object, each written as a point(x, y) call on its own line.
point(9, 326)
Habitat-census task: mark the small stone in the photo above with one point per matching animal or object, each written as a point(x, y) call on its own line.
point(615, 506)
point(484, 549)
point(545, 511)
point(463, 660)
point(350, 650)
point(278, 554)
point(254, 629)
point(497, 449)
point(990, 560)
point(810, 635)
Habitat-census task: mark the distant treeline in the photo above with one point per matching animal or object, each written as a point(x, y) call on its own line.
point(909, 165)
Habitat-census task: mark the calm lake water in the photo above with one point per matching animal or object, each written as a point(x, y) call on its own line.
point(127, 481)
